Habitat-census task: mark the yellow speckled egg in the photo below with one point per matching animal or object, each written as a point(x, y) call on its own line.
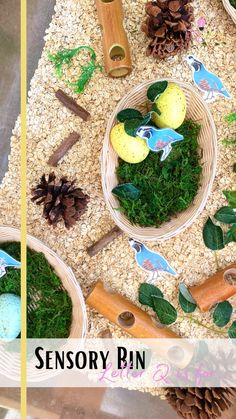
point(129, 149)
point(172, 105)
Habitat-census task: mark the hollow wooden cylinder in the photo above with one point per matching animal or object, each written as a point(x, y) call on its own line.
point(113, 306)
point(116, 51)
point(138, 323)
point(215, 289)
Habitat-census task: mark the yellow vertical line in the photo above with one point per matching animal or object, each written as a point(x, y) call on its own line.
point(23, 68)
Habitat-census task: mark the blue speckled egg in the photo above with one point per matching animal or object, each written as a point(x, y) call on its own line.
point(9, 316)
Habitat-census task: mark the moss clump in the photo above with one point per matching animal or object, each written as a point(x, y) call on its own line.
point(168, 187)
point(49, 305)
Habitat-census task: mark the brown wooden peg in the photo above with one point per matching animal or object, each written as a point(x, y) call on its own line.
point(116, 50)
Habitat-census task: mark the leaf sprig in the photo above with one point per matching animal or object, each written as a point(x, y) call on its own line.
point(66, 56)
point(213, 235)
point(167, 314)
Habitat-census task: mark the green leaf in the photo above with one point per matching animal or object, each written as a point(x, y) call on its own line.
point(213, 236)
point(229, 142)
point(232, 330)
point(185, 292)
point(156, 89)
point(231, 117)
point(146, 292)
point(126, 191)
point(131, 126)
point(231, 234)
point(234, 165)
point(156, 109)
point(128, 113)
point(222, 313)
point(166, 313)
point(65, 57)
point(226, 215)
point(186, 306)
point(231, 198)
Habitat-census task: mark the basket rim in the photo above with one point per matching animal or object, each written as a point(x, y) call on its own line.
point(105, 148)
point(230, 9)
point(66, 267)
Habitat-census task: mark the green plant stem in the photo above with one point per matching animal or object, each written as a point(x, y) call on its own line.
point(216, 260)
point(199, 323)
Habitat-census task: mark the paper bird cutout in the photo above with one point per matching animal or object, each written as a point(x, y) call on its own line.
point(149, 261)
point(206, 81)
point(159, 139)
point(6, 261)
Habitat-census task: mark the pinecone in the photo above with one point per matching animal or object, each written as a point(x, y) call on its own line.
point(168, 25)
point(61, 200)
point(200, 403)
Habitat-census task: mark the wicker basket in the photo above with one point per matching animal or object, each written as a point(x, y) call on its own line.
point(79, 317)
point(10, 361)
point(230, 9)
point(196, 110)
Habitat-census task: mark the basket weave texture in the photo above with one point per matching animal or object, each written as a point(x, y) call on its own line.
point(10, 362)
point(230, 10)
point(69, 283)
point(198, 111)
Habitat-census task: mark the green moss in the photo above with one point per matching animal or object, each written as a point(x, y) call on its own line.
point(49, 305)
point(168, 187)
point(233, 3)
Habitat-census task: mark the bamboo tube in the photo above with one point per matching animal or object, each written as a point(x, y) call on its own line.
point(116, 51)
point(219, 287)
point(137, 323)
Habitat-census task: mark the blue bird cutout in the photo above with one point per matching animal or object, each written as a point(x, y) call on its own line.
point(149, 261)
point(159, 139)
point(206, 81)
point(6, 261)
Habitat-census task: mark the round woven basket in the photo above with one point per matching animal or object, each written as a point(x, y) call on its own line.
point(10, 361)
point(230, 9)
point(69, 283)
point(197, 110)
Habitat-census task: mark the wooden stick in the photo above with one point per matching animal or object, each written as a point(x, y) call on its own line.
point(116, 50)
point(135, 321)
point(219, 287)
point(104, 241)
point(72, 105)
point(65, 146)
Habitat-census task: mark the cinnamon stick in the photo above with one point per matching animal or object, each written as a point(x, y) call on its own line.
point(72, 105)
point(104, 241)
point(65, 146)
point(219, 287)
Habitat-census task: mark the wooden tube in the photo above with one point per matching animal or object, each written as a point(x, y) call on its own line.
point(114, 306)
point(219, 287)
point(137, 323)
point(116, 51)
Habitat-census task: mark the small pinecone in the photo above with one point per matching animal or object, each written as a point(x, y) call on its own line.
point(61, 200)
point(200, 403)
point(168, 25)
